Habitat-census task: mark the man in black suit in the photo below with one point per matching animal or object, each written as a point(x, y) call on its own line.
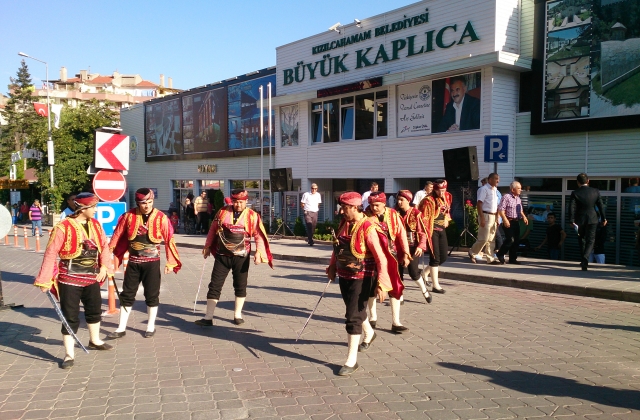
point(583, 216)
point(463, 113)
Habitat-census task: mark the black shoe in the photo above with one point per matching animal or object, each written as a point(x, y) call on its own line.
point(427, 297)
point(372, 323)
point(472, 258)
point(66, 364)
point(103, 346)
point(501, 258)
point(149, 334)
point(238, 321)
point(441, 291)
point(584, 267)
point(399, 329)
point(311, 243)
point(365, 346)
point(205, 322)
point(515, 262)
point(346, 370)
point(496, 262)
point(115, 334)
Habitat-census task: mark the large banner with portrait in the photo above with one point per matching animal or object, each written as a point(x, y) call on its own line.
point(591, 65)
point(289, 125)
point(244, 113)
point(204, 121)
point(439, 106)
point(163, 128)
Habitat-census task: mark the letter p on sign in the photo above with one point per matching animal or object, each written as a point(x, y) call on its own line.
point(496, 149)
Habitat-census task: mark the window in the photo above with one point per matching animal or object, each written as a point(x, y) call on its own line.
point(350, 118)
point(601, 184)
point(211, 184)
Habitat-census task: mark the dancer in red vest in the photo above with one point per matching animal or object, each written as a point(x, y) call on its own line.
point(416, 236)
point(140, 232)
point(85, 259)
point(391, 224)
point(436, 212)
point(360, 238)
point(229, 241)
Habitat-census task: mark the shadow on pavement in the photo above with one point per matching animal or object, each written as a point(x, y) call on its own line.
point(249, 338)
point(16, 277)
point(298, 291)
point(258, 308)
point(19, 338)
point(541, 384)
point(605, 326)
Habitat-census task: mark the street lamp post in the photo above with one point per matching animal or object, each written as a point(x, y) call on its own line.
point(50, 155)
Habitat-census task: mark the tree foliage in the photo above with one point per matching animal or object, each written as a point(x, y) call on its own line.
point(22, 119)
point(74, 148)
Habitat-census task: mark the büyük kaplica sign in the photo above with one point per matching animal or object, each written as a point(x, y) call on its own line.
point(410, 46)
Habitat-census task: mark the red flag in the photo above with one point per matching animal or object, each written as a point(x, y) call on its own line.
point(41, 109)
point(447, 94)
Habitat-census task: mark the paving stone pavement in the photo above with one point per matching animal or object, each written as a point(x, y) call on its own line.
point(477, 352)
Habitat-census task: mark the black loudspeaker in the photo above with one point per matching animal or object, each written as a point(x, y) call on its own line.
point(281, 179)
point(461, 164)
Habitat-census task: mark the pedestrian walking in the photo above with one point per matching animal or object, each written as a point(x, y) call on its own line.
point(201, 206)
point(140, 232)
point(554, 238)
point(35, 215)
point(71, 207)
point(420, 195)
point(511, 211)
point(487, 207)
point(229, 241)
point(85, 262)
point(359, 237)
point(583, 216)
point(365, 197)
point(311, 205)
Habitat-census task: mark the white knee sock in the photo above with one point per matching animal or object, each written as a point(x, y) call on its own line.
point(239, 305)
point(211, 307)
point(124, 318)
point(368, 331)
point(352, 357)
point(94, 333)
point(373, 314)
point(423, 287)
point(395, 312)
point(402, 298)
point(69, 347)
point(434, 277)
point(151, 323)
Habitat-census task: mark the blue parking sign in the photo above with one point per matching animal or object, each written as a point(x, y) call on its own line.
point(108, 214)
point(496, 149)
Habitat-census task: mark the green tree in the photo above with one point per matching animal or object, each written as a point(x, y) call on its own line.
point(22, 120)
point(74, 148)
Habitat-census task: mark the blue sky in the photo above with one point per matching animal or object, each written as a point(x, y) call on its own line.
point(194, 42)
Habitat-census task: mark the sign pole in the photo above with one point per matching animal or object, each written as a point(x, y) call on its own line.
point(495, 167)
point(261, 151)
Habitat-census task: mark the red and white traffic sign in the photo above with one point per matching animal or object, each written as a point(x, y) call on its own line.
point(109, 185)
point(112, 151)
